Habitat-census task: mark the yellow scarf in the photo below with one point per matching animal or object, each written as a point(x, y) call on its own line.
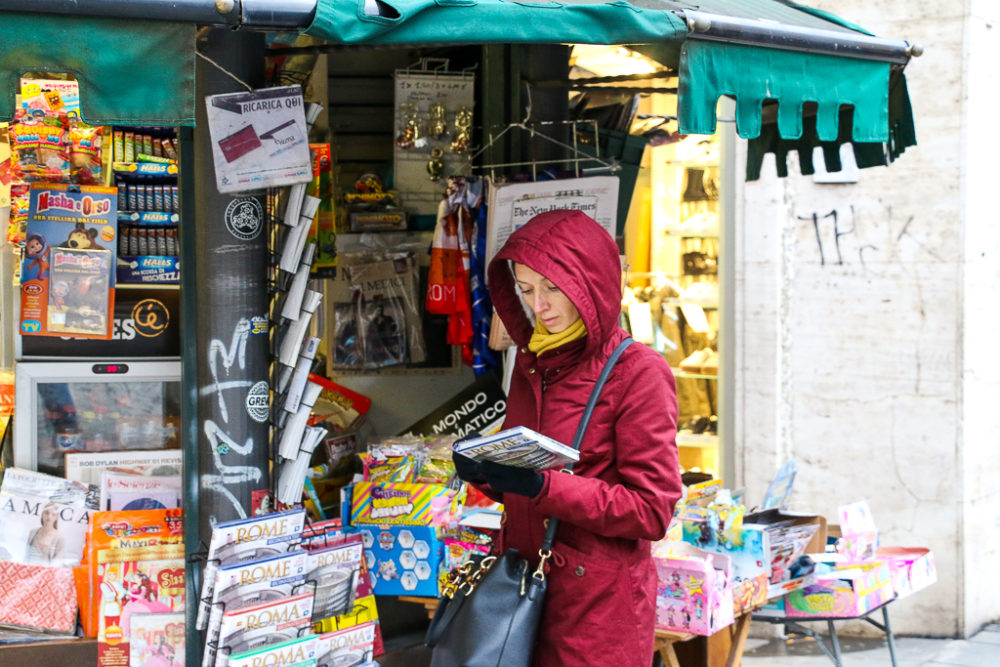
point(543, 341)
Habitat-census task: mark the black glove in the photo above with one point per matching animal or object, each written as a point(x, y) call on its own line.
point(467, 469)
point(508, 479)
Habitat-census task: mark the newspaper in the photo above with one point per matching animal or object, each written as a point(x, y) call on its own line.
point(50, 487)
point(511, 206)
point(519, 447)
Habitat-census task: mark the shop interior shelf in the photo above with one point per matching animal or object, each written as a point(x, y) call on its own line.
point(688, 235)
point(678, 373)
point(704, 303)
point(685, 439)
point(692, 164)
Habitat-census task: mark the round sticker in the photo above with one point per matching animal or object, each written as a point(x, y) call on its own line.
point(245, 218)
point(107, 233)
point(258, 402)
point(151, 317)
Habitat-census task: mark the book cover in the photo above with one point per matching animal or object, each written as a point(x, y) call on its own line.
point(143, 580)
point(246, 629)
point(157, 640)
point(121, 530)
point(56, 489)
point(86, 467)
point(520, 447)
point(334, 574)
point(37, 531)
point(243, 540)
point(299, 652)
point(125, 492)
point(244, 584)
point(352, 646)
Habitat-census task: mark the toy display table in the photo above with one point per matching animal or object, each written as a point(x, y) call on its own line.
point(833, 651)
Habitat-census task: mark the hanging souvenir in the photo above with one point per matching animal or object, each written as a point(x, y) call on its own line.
point(438, 121)
point(435, 166)
point(409, 131)
point(462, 138)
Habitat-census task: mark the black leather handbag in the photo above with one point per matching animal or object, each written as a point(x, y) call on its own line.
point(490, 609)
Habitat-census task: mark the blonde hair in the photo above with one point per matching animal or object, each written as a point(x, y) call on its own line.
point(41, 517)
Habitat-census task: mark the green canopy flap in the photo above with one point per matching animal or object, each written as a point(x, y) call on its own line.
point(494, 21)
point(130, 72)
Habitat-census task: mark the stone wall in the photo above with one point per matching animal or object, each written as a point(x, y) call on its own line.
point(862, 330)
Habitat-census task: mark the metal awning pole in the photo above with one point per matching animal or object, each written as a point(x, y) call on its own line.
point(254, 14)
point(755, 32)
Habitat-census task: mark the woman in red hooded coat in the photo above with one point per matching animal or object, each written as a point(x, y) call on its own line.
point(601, 600)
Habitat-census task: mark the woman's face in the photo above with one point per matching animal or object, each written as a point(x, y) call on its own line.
point(551, 307)
point(49, 516)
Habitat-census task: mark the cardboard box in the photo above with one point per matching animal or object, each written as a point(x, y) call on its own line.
point(392, 503)
point(749, 594)
point(849, 591)
point(694, 592)
point(911, 568)
point(402, 560)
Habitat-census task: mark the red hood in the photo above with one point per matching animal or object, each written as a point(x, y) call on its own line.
point(578, 256)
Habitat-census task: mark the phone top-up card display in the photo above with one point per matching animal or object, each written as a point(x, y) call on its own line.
point(259, 139)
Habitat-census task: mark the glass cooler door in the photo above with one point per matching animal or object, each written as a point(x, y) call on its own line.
point(85, 407)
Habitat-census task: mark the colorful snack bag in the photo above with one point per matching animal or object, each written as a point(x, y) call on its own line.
point(40, 148)
point(85, 153)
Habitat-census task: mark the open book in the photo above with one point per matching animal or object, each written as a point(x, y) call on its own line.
point(520, 447)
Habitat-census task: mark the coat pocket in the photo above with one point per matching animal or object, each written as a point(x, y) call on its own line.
point(589, 591)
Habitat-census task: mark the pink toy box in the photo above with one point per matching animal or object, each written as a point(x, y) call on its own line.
point(848, 590)
point(694, 593)
point(911, 568)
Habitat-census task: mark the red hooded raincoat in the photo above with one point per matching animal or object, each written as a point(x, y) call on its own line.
point(601, 599)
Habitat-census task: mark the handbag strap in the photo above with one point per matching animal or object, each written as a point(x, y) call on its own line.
point(595, 393)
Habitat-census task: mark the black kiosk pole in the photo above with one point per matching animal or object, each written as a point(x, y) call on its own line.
point(225, 344)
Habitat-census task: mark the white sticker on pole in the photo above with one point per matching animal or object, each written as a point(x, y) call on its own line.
point(259, 139)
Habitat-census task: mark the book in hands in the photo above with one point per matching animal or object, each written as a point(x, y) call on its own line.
point(519, 447)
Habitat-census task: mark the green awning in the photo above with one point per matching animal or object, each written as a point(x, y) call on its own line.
point(130, 72)
point(494, 21)
point(821, 100)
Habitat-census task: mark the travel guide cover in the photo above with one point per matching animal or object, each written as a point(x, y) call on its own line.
point(520, 447)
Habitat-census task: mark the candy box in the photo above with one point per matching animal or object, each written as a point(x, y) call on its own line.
point(694, 590)
point(842, 590)
point(911, 568)
point(403, 560)
point(394, 503)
